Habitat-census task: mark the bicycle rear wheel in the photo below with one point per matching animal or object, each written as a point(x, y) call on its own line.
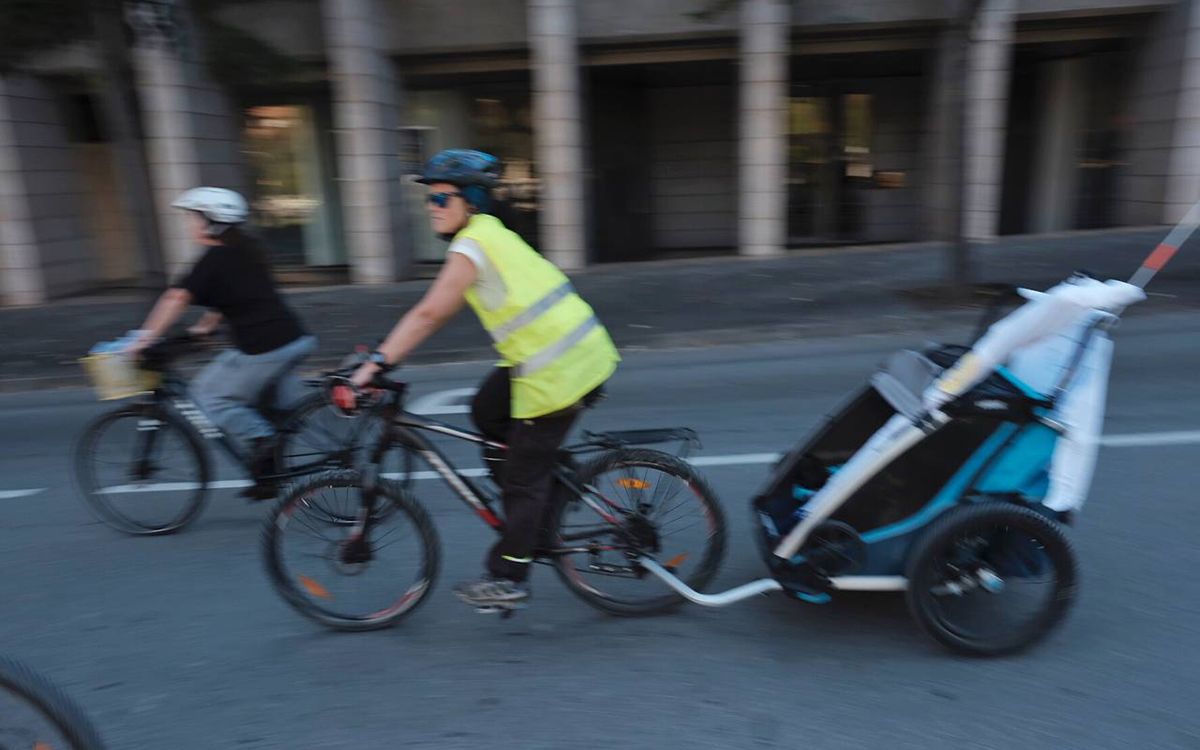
point(142, 470)
point(35, 714)
point(665, 510)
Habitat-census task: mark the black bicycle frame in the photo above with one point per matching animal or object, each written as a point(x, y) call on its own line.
point(172, 396)
point(405, 429)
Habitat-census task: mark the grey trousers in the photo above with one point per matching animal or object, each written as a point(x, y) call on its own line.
point(232, 385)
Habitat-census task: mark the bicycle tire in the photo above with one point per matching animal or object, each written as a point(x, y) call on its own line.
point(922, 574)
point(672, 466)
point(85, 477)
point(51, 702)
point(286, 586)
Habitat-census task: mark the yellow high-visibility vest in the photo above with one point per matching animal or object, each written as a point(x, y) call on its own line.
point(551, 338)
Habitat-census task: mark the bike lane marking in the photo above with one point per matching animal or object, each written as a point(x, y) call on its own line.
point(1132, 440)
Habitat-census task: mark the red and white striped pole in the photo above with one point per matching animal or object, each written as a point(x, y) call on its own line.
point(1167, 248)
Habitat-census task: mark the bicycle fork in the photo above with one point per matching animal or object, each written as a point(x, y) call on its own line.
point(356, 550)
point(143, 464)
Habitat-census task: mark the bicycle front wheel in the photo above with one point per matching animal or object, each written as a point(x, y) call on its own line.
point(36, 714)
point(329, 574)
point(142, 471)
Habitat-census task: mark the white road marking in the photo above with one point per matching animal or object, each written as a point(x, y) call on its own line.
point(125, 489)
point(1146, 439)
point(1132, 440)
point(434, 474)
point(454, 401)
point(736, 459)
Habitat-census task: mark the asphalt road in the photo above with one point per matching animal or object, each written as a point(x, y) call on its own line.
point(179, 642)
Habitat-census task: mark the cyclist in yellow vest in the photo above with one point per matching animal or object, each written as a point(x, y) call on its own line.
point(555, 354)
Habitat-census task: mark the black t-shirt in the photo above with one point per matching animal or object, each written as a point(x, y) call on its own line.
point(233, 281)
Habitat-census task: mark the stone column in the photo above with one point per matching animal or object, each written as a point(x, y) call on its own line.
point(21, 280)
point(558, 130)
point(45, 250)
point(989, 71)
point(366, 117)
point(189, 124)
point(762, 139)
point(939, 158)
point(1183, 176)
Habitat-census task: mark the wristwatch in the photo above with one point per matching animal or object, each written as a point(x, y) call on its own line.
point(380, 360)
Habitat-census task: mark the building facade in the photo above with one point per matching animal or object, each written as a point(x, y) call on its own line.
point(629, 129)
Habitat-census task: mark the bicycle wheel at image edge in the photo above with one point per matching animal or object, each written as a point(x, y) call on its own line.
point(664, 503)
point(33, 691)
point(318, 567)
point(142, 470)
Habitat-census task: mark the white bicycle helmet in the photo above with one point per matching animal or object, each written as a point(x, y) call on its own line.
point(218, 205)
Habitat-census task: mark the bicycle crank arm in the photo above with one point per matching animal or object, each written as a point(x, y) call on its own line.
point(724, 599)
point(626, 571)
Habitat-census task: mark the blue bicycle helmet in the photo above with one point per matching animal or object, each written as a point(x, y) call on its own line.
point(475, 172)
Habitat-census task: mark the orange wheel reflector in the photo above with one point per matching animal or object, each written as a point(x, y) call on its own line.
point(677, 560)
point(633, 484)
point(41, 746)
point(315, 588)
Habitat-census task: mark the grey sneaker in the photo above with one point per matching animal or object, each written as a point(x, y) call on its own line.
point(488, 592)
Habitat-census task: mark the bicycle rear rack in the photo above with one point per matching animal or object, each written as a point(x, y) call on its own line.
point(686, 436)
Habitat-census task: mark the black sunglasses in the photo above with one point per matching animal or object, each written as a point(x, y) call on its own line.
point(441, 199)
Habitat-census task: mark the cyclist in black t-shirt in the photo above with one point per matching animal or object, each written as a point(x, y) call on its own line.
point(233, 280)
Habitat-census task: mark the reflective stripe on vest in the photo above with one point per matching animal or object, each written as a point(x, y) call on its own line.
point(552, 352)
point(531, 313)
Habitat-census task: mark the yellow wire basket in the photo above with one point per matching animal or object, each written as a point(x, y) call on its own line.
point(115, 375)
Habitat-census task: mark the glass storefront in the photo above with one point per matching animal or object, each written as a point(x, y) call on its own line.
point(493, 117)
point(855, 130)
point(830, 164)
point(289, 199)
point(810, 131)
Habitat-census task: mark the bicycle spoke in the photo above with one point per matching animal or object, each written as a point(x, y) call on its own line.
point(388, 533)
point(378, 548)
point(662, 514)
point(315, 533)
point(672, 491)
point(312, 533)
point(693, 524)
point(626, 484)
point(329, 516)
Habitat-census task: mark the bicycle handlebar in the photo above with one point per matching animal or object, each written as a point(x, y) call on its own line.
point(345, 395)
point(162, 353)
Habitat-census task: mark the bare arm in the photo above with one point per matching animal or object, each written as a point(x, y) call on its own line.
point(441, 303)
point(207, 324)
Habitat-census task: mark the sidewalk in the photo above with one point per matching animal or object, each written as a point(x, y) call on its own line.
point(828, 292)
